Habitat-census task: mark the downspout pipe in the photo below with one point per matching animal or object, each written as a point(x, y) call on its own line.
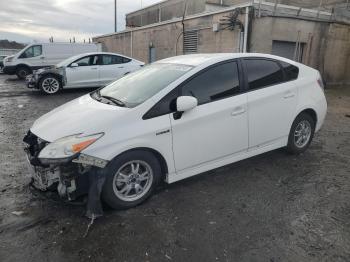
point(246, 22)
point(183, 27)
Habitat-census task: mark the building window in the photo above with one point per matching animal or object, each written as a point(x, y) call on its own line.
point(190, 42)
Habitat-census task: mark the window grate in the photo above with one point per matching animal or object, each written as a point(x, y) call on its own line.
point(190, 41)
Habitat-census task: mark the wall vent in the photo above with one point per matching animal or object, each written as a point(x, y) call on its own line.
point(191, 41)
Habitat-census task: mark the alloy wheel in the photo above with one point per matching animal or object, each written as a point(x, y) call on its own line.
point(50, 85)
point(302, 134)
point(132, 180)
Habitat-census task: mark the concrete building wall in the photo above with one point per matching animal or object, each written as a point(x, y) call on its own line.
point(337, 55)
point(167, 39)
point(326, 45)
point(164, 11)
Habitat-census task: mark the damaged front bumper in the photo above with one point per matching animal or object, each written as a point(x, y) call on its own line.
point(32, 81)
point(71, 177)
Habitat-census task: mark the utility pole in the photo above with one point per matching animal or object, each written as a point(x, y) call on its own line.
point(115, 15)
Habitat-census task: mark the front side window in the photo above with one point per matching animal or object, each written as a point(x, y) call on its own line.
point(218, 82)
point(87, 61)
point(262, 73)
point(135, 88)
point(165, 106)
point(33, 51)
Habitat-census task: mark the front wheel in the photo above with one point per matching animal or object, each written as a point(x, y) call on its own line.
point(49, 84)
point(131, 179)
point(301, 133)
point(22, 72)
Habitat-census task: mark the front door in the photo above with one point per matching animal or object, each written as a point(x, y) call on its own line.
point(86, 74)
point(33, 56)
point(218, 126)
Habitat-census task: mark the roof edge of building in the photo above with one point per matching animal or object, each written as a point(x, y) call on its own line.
point(230, 8)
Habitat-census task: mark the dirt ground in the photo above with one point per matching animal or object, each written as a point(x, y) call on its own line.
point(274, 207)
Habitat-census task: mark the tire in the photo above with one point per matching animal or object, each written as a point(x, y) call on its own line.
point(120, 178)
point(23, 71)
point(301, 133)
point(50, 84)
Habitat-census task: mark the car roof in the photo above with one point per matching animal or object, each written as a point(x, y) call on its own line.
point(202, 59)
point(99, 53)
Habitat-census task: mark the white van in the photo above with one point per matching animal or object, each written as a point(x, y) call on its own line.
point(39, 55)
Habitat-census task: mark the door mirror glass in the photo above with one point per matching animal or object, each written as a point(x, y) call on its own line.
point(185, 103)
point(74, 65)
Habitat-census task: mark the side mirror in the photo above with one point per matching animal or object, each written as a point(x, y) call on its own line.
point(185, 103)
point(74, 65)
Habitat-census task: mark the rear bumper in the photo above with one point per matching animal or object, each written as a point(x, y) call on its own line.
point(9, 70)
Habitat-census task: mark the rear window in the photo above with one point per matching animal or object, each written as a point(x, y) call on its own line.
point(291, 71)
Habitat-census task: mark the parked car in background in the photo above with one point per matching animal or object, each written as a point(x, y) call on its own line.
point(2, 57)
point(173, 119)
point(39, 55)
point(84, 70)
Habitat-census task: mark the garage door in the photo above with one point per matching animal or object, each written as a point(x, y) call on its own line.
point(287, 49)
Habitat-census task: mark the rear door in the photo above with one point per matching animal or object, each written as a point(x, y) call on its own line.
point(271, 101)
point(86, 74)
point(113, 67)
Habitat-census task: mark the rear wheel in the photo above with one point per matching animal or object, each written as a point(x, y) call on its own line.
point(50, 84)
point(22, 72)
point(301, 133)
point(131, 179)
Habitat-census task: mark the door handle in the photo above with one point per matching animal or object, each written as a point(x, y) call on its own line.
point(94, 68)
point(238, 111)
point(288, 95)
point(42, 57)
point(121, 67)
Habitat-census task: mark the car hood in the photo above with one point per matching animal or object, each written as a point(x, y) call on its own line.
point(83, 115)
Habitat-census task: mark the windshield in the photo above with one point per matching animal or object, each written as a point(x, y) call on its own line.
point(135, 88)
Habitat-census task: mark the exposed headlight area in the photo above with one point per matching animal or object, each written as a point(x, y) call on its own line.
point(9, 59)
point(64, 149)
point(61, 164)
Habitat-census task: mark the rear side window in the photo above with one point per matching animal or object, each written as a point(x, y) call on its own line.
point(262, 73)
point(218, 82)
point(291, 72)
point(113, 59)
point(33, 51)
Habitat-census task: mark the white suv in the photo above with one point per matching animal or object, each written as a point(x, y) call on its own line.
point(174, 119)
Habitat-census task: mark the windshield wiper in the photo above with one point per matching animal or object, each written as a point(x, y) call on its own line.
point(112, 99)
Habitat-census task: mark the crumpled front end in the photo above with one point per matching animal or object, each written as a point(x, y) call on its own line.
point(72, 177)
point(33, 80)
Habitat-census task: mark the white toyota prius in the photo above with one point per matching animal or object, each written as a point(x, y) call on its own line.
point(173, 119)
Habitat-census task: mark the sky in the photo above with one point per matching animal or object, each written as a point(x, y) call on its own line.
point(37, 20)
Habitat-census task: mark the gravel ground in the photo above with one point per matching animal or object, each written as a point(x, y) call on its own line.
point(274, 207)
